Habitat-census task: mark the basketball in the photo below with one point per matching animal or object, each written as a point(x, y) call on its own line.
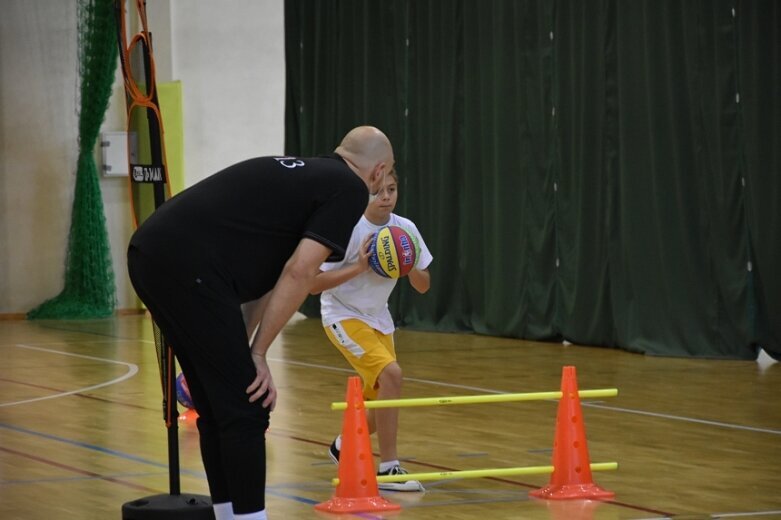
point(183, 392)
point(393, 252)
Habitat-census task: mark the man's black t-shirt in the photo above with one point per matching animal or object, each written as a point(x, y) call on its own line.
point(238, 227)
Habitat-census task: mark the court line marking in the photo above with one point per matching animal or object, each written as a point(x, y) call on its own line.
point(274, 489)
point(462, 387)
point(424, 381)
point(583, 403)
point(758, 513)
point(95, 447)
point(79, 471)
point(46, 480)
point(132, 371)
point(417, 380)
point(716, 516)
point(685, 419)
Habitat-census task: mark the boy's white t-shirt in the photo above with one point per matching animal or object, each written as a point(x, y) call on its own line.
point(365, 297)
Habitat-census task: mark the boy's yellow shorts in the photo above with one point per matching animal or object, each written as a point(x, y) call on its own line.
point(368, 350)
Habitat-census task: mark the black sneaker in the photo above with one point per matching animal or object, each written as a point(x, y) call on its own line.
point(333, 452)
point(409, 485)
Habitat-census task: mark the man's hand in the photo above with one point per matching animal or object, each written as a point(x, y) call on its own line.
point(263, 382)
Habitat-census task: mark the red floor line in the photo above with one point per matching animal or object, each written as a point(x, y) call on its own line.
point(296, 438)
point(77, 470)
point(84, 396)
point(495, 479)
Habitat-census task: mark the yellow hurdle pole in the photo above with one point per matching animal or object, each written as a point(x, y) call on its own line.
point(476, 399)
point(481, 473)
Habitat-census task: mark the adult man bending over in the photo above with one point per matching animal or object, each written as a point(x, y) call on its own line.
point(256, 231)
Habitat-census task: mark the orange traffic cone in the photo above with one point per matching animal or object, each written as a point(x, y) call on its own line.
point(569, 509)
point(357, 491)
point(571, 476)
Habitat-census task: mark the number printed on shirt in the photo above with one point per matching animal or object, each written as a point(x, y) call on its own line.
point(289, 162)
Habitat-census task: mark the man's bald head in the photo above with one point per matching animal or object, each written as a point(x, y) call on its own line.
point(369, 153)
point(366, 146)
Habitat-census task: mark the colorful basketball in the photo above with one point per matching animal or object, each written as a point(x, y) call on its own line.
point(183, 392)
point(393, 252)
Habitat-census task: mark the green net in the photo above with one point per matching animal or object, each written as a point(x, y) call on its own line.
point(89, 290)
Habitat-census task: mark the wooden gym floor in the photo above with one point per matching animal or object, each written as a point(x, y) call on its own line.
point(81, 429)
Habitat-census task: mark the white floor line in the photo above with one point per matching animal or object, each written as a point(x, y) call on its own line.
point(756, 513)
point(685, 419)
point(132, 370)
point(716, 516)
point(592, 405)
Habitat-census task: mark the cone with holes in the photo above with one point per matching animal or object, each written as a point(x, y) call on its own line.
point(571, 478)
point(357, 491)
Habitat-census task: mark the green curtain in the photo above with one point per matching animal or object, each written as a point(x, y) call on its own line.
point(603, 172)
point(758, 58)
point(89, 290)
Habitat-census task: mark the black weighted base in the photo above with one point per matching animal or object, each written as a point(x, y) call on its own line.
point(169, 507)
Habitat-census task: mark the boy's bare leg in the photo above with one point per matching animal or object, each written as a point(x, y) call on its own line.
point(386, 420)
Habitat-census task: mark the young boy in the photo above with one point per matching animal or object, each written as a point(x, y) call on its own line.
point(354, 308)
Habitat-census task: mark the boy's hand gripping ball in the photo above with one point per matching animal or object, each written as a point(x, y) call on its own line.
point(393, 252)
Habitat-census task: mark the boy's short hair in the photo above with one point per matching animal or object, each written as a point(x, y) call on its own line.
point(394, 174)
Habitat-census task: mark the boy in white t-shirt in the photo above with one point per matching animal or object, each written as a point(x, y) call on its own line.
point(354, 308)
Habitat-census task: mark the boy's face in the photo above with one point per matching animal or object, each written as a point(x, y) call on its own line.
point(379, 209)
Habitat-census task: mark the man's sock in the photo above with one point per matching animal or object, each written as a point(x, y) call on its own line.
point(260, 515)
point(223, 511)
